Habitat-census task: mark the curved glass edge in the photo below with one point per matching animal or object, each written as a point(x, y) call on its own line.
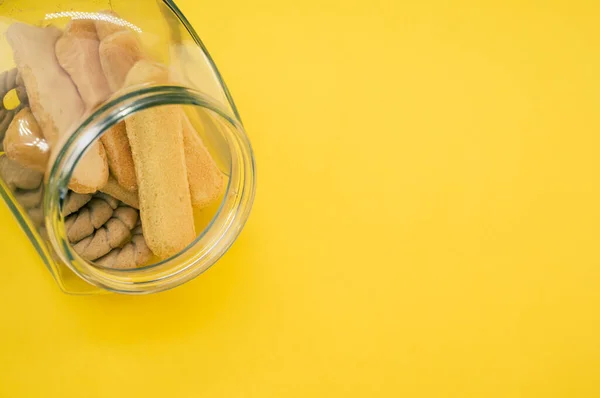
point(175, 9)
point(81, 288)
point(43, 247)
point(211, 244)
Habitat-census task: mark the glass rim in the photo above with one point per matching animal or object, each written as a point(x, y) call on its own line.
point(189, 263)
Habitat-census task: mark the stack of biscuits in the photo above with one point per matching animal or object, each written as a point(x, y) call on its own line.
point(134, 192)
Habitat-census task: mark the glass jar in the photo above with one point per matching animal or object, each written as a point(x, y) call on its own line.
point(170, 95)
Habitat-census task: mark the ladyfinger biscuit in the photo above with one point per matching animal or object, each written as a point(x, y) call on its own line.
point(113, 189)
point(77, 52)
point(25, 143)
point(156, 140)
point(205, 179)
point(119, 157)
point(91, 172)
point(118, 53)
point(54, 99)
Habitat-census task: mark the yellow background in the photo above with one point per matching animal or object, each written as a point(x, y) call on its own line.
point(426, 222)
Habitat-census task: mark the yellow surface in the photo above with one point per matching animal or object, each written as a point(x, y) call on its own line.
point(426, 222)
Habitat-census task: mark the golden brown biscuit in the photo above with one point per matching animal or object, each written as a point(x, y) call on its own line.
point(91, 172)
point(77, 52)
point(205, 179)
point(113, 188)
point(119, 157)
point(25, 143)
point(118, 53)
point(54, 99)
point(156, 140)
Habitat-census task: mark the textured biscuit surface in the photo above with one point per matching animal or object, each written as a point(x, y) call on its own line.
point(156, 140)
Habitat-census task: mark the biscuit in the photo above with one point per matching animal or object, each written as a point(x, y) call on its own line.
point(205, 179)
point(118, 153)
point(113, 189)
point(54, 99)
point(118, 53)
point(156, 140)
point(77, 52)
point(25, 143)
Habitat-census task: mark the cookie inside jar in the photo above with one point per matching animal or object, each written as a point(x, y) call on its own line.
point(148, 182)
point(178, 184)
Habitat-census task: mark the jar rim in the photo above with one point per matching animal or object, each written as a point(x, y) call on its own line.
point(207, 247)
